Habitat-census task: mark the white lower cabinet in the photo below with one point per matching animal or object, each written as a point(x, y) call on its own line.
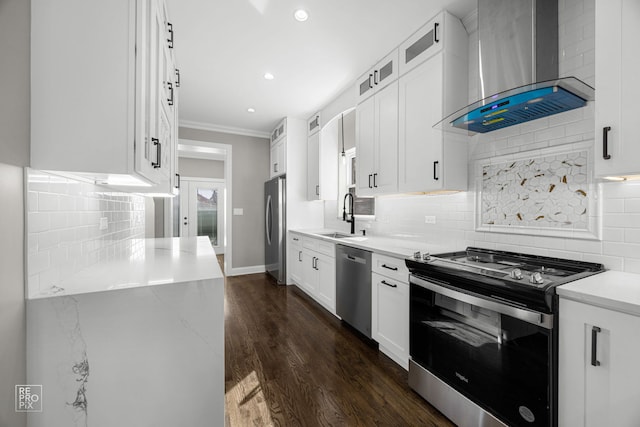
point(326, 281)
point(599, 374)
point(295, 261)
point(313, 268)
point(390, 307)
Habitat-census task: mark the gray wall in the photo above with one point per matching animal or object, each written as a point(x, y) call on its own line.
point(250, 169)
point(200, 168)
point(14, 153)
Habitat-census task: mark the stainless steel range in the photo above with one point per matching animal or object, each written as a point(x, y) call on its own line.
point(483, 334)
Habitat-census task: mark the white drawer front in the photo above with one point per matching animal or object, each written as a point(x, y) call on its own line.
point(394, 268)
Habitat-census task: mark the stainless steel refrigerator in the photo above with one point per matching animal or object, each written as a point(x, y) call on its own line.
point(275, 226)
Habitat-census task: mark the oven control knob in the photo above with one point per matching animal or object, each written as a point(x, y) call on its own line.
point(416, 255)
point(426, 256)
point(516, 273)
point(536, 278)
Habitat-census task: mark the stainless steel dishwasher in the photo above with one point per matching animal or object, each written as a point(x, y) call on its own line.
point(353, 287)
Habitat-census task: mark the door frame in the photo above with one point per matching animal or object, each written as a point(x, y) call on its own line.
point(197, 149)
point(219, 183)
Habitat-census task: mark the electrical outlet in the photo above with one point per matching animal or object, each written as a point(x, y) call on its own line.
point(104, 223)
point(429, 219)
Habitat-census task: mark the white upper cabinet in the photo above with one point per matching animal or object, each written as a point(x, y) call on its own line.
point(423, 44)
point(430, 159)
point(313, 157)
point(278, 153)
point(313, 167)
point(378, 77)
point(313, 124)
point(377, 143)
point(397, 147)
point(322, 159)
point(102, 83)
point(617, 87)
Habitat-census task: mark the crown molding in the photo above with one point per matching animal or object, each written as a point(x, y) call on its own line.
point(470, 21)
point(224, 129)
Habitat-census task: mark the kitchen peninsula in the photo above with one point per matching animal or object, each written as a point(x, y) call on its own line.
point(137, 340)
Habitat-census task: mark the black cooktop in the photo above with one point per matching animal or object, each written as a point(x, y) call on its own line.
point(521, 279)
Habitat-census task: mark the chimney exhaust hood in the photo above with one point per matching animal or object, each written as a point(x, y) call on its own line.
point(518, 68)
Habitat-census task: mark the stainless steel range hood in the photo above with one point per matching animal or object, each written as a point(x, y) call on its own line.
point(518, 68)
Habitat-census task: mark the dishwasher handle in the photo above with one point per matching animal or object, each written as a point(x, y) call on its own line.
point(354, 258)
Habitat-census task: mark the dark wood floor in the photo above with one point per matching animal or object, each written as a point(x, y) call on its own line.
point(288, 362)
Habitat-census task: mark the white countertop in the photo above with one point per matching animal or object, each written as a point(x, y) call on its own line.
point(157, 262)
point(400, 248)
point(615, 290)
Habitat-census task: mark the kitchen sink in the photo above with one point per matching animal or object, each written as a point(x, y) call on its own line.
point(336, 235)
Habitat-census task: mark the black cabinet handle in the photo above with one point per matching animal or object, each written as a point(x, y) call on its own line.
point(435, 170)
point(435, 33)
point(370, 81)
point(170, 30)
point(317, 190)
point(374, 180)
point(391, 285)
point(370, 181)
point(605, 142)
point(352, 258)
point(295, 239)
point(275, 167)
point(178, 180)
point(594, 345)
point(389, 268)
point(177, 78)
point(375, 77)
point(300, 256)
point(170, 99)
point(157, 163)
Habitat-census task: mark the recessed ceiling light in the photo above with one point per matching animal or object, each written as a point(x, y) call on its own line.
point(301, 15)
point(268, 76)
point(251, 110)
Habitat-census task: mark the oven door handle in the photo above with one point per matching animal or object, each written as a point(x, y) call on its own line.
point(539, 319)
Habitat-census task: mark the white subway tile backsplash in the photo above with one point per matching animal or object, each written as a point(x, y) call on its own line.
point(48, 202)
point(549, 133)
point(632, 235)
point(38, 221)
point(38, 262)
point(626, 220)
point(611, 234)
point(613, 206)
point(627, 250)
point(632, 265)
point(63, 236)
point(534, 125)
point(580, 127)
point(609, 262)
point(632, 205)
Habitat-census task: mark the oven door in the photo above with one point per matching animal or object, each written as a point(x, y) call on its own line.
point(495, 354)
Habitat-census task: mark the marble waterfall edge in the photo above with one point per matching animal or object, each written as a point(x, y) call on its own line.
point(149, 355)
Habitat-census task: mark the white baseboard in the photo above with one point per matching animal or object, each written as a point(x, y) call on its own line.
point(238, 271)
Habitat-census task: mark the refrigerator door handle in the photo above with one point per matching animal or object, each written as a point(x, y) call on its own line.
point(268, 219)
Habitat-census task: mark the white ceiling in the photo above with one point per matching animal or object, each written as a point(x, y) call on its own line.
point(224, 47)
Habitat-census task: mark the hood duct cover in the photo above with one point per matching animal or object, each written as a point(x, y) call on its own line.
point(518, 68)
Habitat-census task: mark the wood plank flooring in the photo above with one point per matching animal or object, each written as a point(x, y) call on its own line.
point(288, 362)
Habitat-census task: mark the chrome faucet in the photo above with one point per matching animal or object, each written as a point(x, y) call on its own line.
point(352, 221)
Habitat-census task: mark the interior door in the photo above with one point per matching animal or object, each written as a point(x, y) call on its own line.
point(202, 211)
